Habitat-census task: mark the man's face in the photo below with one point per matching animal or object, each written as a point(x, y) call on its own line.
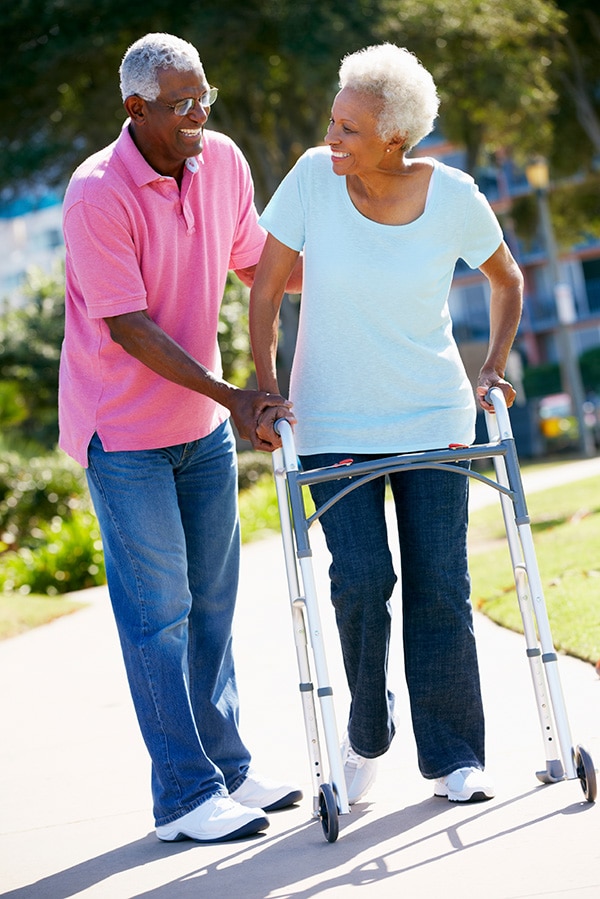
point(165, 139)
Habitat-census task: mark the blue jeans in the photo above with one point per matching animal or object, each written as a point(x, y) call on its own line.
point(170, 531)
point(440, 655)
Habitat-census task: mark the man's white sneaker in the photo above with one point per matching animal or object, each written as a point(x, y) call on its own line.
point(465, 785)
point(216, 820)
point(359, 772)
point(269, 795)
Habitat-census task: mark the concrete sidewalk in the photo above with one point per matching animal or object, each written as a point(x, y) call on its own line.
point(75, 812)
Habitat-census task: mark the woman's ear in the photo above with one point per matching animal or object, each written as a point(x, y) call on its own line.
point(396, 143)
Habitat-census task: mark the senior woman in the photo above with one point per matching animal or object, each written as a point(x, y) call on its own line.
point(376, 372)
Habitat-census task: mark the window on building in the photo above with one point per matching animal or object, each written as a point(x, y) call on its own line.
point(591, 274)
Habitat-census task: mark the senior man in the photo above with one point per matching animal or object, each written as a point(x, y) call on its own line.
point(152, 225)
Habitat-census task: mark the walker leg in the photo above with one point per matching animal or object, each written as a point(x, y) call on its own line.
point(328, 801)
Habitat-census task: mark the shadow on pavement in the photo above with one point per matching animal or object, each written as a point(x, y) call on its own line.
point(263, 866)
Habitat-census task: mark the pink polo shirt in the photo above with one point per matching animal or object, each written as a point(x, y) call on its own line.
point(135, 242)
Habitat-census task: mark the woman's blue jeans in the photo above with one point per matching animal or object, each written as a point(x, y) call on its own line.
point(170, 531)
point(440, 655)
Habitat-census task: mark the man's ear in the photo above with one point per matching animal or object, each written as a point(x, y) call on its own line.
point(136, 109)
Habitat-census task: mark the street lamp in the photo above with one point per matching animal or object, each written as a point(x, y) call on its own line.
point(537, 174)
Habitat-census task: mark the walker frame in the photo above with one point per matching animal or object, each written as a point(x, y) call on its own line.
point(563, 760)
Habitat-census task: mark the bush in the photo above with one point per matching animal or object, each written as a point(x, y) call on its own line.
point(49, 538)
point(542, 380)
point(35, 490)
point(30, 341)
point(68, 557)
point(252, 466)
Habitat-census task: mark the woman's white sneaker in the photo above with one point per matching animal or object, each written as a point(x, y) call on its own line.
point(359, 772)
point(465, 785)
point(217, 819)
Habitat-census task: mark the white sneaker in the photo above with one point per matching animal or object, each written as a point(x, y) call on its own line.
point(217, 819)
point(465, 785)
point(359, 772)
point(269, 795)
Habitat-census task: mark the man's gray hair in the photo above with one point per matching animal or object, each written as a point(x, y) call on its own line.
point(406, 91)
point(147, 56)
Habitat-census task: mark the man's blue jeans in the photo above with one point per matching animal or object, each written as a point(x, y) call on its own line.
point(170, 531)
point(440, 656)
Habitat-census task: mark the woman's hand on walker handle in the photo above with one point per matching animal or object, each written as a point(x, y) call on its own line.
point(485, 383)
point(247, 410)
point(265, 429)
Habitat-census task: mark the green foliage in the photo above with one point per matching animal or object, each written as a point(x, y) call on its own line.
point(575, 209)
point(576, 117)
point(68, 557)
point(234, 334)
point(49, 538)
point(501, 69)
point(542, 380)
point(259, 512)
point(590, 369)
point(35, 490)
point(252, 466)
point(274, 61)
point(30, 341)
point(492, 63)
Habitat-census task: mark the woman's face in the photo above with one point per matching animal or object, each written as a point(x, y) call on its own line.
point(356, 148)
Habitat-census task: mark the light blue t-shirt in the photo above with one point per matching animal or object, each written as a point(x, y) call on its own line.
point(376, 368)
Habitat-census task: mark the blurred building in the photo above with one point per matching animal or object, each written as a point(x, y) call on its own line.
point(580, 270)
point(30, 237)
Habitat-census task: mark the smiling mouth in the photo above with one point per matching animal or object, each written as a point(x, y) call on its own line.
point(191, 132)
point(338, 155)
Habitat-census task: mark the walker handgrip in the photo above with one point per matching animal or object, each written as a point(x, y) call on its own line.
point(495, 396)
point(284, 429)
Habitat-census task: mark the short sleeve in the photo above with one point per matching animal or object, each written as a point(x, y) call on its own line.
point(284, 216)
point(103, 260)
point(482, 233)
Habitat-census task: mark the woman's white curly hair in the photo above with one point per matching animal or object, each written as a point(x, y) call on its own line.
point(147, 56)
point(394, 75)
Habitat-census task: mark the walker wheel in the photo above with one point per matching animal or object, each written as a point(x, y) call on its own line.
point(328, 813)
point(586, 772)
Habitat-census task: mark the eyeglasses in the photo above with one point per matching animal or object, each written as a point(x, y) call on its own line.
point(183, 107)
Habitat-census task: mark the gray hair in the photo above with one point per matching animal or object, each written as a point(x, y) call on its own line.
point(394, 75)
point(147, 56)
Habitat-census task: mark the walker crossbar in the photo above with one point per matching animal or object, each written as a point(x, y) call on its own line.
point(541, 655)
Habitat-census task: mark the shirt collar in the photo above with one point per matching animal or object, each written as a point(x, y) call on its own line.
point(140, 170)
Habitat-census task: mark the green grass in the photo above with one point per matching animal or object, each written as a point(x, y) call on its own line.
point(22, 613)
point(565, 522)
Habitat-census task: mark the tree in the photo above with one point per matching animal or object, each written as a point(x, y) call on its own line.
point(274, 60)
point(504, 72)
point(492, 64)
point(578, 83)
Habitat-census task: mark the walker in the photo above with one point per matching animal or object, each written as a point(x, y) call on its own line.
point(563, 761)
